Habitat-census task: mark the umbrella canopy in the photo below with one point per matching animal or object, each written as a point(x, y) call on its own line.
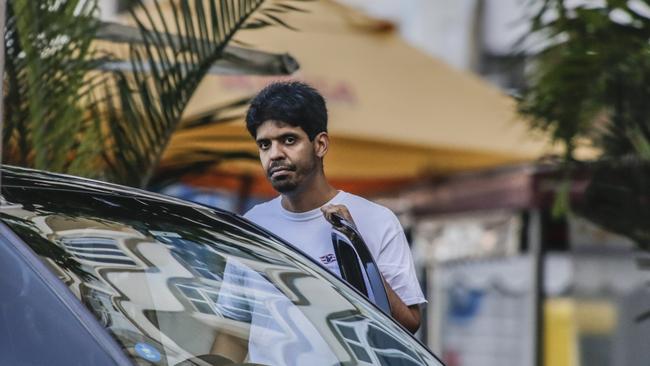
point(396, 114)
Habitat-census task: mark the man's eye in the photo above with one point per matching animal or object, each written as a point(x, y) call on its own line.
point(263, 145)
point(289, 140)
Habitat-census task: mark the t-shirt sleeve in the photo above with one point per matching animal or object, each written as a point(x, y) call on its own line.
point(396, 264)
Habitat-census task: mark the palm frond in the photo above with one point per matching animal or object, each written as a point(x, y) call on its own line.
point(234, 60)
point(72, 108)
point(153, 100)
point(228, 112)
point(195, 162)
point(48, 60)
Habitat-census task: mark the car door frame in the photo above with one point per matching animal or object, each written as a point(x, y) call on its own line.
point(357, 265)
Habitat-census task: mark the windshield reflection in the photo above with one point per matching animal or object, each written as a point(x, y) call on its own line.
point(167, 292)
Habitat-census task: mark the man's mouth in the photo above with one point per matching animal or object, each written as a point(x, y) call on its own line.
point(279, 171)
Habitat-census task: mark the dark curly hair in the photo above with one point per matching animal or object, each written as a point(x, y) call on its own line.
point(294, 103)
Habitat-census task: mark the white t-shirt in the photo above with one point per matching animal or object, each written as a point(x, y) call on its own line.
point(379, 227)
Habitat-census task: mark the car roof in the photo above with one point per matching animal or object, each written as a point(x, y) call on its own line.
point(16, 180)
point(13, 176)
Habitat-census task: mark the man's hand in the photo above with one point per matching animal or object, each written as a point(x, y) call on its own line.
point(341, 210)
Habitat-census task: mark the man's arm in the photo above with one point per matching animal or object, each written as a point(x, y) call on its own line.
point(407, 315)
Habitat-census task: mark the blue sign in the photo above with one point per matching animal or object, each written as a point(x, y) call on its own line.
point(465, 303)
point(147, 352)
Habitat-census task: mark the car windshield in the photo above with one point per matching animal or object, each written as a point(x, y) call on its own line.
point(180, 285)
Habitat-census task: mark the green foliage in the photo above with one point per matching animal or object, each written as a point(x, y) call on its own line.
point(592, 80)
point(66, 111)
point(618, 198)
point(48, 58)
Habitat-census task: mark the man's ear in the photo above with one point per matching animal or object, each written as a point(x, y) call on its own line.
point(321, 144)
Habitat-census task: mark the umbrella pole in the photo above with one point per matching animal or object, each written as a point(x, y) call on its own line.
point(537, 259)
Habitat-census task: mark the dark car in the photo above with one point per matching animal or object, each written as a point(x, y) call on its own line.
point(99, 274)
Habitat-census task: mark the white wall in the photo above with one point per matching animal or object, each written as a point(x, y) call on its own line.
point(450, 30)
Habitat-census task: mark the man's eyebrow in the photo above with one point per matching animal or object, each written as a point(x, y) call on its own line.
point(281, 136)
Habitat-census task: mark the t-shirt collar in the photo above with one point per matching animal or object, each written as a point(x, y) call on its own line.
point(307, 215)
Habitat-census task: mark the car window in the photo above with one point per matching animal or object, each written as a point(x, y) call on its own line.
point(177, 285)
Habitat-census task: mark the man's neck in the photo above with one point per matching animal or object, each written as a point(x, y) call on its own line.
point(310, 197)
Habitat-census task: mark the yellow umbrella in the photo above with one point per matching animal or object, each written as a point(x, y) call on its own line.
point(395, 113)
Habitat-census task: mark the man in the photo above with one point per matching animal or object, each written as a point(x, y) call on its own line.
point(288, 121)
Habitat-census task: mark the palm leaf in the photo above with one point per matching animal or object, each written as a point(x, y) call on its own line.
point(227, 112)
point(166, 72)
point(234, 60)
point(69, 109)
point(48, 58)
point(195, 162)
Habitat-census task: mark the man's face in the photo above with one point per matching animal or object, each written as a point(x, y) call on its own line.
point(287, 155)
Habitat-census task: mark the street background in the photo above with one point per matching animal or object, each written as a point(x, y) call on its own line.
point(511, 138)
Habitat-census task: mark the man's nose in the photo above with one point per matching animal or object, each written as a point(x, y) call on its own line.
point(276, 152)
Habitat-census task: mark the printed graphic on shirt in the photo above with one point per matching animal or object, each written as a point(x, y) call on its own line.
point(328, 258)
